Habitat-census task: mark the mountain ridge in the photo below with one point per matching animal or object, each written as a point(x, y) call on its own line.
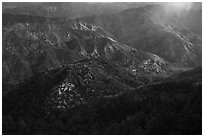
point(164, 34)
point(34, 47)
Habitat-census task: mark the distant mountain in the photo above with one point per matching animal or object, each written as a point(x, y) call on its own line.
point(173, 35)
point(66, 9)
point(29, 48)
point(152, 28)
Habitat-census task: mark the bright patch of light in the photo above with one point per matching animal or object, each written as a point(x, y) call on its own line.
point(178, 7)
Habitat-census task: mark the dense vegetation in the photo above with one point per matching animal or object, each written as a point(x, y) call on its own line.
point(170, 107)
